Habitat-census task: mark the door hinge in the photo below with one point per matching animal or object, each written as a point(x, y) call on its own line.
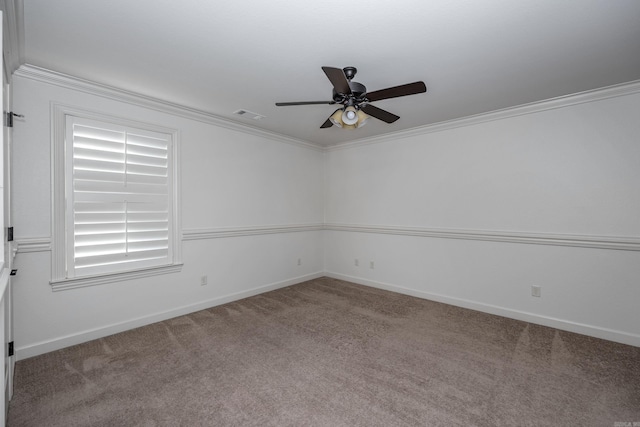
point(13, 272)
point(10, 349)
point(8, 118)
point(9, 234)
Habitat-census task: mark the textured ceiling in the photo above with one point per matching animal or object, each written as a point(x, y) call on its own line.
point(215, 56)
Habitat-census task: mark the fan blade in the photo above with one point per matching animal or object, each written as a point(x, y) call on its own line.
point(286, 104)
point(338, 79)
point(328, 123)
point(379, 113)
point(396, 91)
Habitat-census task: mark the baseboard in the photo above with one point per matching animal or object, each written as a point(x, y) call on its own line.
point(92, 334)
point(590, 330)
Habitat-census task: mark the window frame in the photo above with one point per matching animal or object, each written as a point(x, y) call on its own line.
point(60, 280)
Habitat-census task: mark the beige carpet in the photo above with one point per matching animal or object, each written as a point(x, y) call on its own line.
point(331, 353)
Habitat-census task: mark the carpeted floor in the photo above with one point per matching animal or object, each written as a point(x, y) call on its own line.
point(332, 353)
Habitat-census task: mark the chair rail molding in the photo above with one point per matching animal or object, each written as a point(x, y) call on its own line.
point(630, 243)
point(217, 233)
point(33, 244)
point(531, 238)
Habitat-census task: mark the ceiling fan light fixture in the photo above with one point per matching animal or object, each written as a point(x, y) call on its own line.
point(363, 118)
point(350, 115)
point(336, 118)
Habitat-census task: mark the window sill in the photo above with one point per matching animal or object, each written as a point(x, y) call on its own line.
point(81, 282)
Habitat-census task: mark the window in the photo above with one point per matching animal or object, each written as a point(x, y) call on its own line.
point(114, 188)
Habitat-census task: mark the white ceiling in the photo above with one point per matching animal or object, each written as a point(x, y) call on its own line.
point(220, 56)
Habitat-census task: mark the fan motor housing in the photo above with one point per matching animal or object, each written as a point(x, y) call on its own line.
point(358, 90)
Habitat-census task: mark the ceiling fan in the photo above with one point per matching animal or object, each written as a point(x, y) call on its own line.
point(355, 101)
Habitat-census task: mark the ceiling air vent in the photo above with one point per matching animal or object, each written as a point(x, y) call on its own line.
point(249, 114)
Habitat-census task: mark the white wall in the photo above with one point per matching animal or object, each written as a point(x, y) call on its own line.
point(471, 214)
point(250, 185)
point(538, 196)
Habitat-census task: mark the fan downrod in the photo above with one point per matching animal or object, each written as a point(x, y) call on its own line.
point(350, 72)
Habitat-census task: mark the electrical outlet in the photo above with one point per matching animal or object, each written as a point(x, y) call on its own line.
point(536, 291)
point(299, 261)
point(356, 262)
point(203, 280)
point(371, 265)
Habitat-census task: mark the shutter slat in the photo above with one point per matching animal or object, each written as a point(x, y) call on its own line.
point(119, 197)
point(99, 217)
point(90, 175)
point(148, 236)
point(98, 207)
point(90, 186)
point(99, 155)
point(151, 245)
point(97, 165)
point(101, 134)
point(152, 153)
point(137, 227)
point(105, 249)
point(100, 239)
point(147, 179)
point(147, 207)
point(146, 170)
point(99, 229)
point(157, 142)
point(148, 216)
point(158, 162)
point(98, 144)
point(91, 261)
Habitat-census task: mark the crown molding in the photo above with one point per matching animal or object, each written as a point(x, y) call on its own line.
point(530, 238)
point(44, 75)
point(614, 91)
point(35, 73)
point(13, 11)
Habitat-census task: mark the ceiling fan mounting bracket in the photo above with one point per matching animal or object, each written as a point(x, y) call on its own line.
point(350, 72)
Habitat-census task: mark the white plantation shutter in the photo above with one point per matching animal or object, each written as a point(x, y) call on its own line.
point(119, 201)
